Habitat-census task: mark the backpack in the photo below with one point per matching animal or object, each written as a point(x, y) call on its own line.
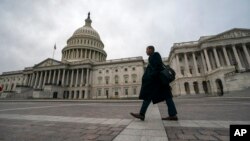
point(167, 75)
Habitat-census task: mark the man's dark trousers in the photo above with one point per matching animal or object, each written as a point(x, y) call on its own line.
point(169, 101)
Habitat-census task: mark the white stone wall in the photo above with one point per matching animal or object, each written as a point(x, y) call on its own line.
point(122, 79)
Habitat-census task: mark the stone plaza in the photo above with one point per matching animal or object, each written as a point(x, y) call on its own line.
point(200, 118)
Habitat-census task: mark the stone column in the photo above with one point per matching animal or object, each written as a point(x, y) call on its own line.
point(29, 78)
point(63, 76)
point(82, 78)
point(58, 78)
point(40, 80)
point(237, 58)
point(207, 60)
point(49, 76)
point(89, 54)
point(246, 53)
point(85, 53)
point(67, 79)
point(35, 86)
point(201, 90)
point(216, 57)
point(71, 80)
point(45, 78)
point(191, 86)
point(195, 64)
point(77, 53)
point(226, 55)
point(77, 71)
point(99, 56)
point(90, 77)
point(75, 95)
point(186, 65)
point(54, 77)
point(87, 78)
point(178, 66)
point(203, 62)
point(80, 94)
point(70, 94)
point(80, 53)
point(32, 79)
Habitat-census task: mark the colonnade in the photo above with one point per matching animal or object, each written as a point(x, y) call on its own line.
point(65, 77)
point(83, 54)
point(213, 58)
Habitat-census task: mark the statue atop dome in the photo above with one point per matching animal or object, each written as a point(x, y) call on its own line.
point(88, 21)
point(89, 15)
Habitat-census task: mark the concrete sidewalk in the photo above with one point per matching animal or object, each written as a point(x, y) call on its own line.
point(152, 129)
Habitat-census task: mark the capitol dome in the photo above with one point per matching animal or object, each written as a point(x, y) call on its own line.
point(85, 43)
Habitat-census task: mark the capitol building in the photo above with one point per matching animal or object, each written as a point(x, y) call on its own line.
point(212, 65)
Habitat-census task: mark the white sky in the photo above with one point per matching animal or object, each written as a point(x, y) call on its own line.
point(30, 28)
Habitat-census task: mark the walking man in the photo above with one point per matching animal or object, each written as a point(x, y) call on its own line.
point(152, 89)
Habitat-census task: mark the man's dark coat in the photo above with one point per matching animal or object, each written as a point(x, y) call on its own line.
point(152, 88)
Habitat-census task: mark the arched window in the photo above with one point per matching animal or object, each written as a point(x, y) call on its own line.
point(134, 77)
point(125, 78)
point(107, 80)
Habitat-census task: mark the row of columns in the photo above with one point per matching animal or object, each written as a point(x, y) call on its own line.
point(85, 42)
point(83, 53)
point(206, 60)
point(64, 77)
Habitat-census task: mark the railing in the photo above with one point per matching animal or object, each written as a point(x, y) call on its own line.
point(12, 72)
point(124, 59)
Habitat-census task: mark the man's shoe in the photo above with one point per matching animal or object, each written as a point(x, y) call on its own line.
point(170, 118)
point(139, 116)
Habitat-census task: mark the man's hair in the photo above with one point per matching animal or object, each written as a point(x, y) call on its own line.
point(151, 47)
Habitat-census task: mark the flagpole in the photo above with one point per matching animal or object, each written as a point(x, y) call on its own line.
point(53, 54)
point(54, 51)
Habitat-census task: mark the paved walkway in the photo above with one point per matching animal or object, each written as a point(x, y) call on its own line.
point(152, 129)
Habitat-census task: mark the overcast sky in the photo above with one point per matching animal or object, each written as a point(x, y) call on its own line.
point(30, 28)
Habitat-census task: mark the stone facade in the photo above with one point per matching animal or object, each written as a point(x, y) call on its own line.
point(209, 64)
point(212, 65)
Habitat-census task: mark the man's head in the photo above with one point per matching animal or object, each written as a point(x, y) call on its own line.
point(150, 50)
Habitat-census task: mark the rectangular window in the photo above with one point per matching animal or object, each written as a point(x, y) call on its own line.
point(134, 91)
point(126, 91)
point(116, 92)
point(99, 92)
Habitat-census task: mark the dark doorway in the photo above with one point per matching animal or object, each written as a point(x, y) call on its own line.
point(205, 88)
point(83, 94)
point(196, 88)
point(55, 95)
point(77, 94)
point(187, 89)
point(219, 86)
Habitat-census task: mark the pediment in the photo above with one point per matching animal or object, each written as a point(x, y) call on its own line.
point(233, 33)
point(48, 62)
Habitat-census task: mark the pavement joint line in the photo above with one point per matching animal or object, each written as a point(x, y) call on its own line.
point(152, 129)
point(67, 119)
point(40, 107)
point(203, 123)
point(63, 105)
